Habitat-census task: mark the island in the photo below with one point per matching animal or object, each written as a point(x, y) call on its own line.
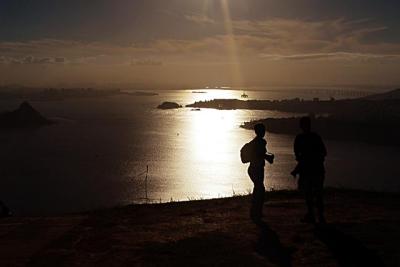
point(374, 119)
point(23, 117)
point(331, 128)
point(376, 107)
point(169, 105)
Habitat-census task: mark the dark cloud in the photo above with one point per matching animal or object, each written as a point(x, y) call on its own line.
point(29, 60)
point(192, 34)
point(333, 56)
point(126, 21)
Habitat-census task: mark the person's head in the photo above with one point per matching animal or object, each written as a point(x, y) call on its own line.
point(259, 129)
point(305, 124)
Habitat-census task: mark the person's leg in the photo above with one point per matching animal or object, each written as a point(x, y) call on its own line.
point(257, 176)
point(253, 209)
point(259, 193)
point(309, 199)
point(319, 196)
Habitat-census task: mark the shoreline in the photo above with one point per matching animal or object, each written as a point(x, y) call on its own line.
point(330, 128)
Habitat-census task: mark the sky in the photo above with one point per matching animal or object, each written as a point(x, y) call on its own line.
point(194, 43)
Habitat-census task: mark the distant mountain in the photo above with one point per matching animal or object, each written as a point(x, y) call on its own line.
point(391, 95)
point(140, 93)
point(23, 117)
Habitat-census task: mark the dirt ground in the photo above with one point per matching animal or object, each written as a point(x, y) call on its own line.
point(363, 230)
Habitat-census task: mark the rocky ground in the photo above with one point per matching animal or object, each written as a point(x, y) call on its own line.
point(363, 230)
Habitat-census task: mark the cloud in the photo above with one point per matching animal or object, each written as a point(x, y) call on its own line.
point(273, 39)
point(29, 60)
point(146, 62)
point(200, 19)
point(59, 60)
point(332, 56)
point(67, 48)
point(299, 36)
point(3, 60)
point(288, 37)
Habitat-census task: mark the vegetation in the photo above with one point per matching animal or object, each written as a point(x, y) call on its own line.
point(213, 233)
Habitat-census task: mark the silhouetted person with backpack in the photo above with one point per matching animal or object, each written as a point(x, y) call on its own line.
point(310, 152)
point(255, 152)
point(4, 211)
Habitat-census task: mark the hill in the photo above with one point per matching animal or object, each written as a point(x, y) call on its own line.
point(23, 117)
point(371, 132)
point(363, 230)
point(391, 95)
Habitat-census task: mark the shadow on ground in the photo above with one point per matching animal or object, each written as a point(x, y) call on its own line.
point(347, 250)
point(270, 247)
point(208, 249)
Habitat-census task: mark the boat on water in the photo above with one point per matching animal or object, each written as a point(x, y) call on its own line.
point(244, 95)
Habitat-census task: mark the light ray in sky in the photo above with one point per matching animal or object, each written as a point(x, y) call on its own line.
point(206, 4)
point(237, 78)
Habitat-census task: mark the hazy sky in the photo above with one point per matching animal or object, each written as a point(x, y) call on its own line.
point(200, 42)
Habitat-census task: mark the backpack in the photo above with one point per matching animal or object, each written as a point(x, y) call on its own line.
point(246, 153)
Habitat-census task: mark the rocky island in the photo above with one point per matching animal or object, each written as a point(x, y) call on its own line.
point(169, 105)
point(23, 117)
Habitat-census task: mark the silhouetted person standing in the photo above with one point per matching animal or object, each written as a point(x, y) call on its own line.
point(4, 211)
point(310, 152)
point(257, 154)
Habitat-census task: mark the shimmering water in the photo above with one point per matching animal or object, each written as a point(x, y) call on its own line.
point(96, 155)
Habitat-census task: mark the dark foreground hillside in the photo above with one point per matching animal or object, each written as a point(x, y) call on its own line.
point(363, 230)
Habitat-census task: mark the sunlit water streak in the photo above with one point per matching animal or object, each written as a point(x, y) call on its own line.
point(92, 159)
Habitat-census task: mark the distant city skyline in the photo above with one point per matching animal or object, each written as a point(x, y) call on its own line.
point(200, 42)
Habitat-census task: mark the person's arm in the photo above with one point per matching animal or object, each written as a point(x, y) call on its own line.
point(296, 148)
point(268, 156)
point(324, 152)
point(265, 150)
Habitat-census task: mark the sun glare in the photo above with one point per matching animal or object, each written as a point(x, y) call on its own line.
point(210, 127)
point(212, 146)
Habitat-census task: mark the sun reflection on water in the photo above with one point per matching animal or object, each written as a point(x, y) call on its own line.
point(214, 143)
point(202, 158)
point(210, 142)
